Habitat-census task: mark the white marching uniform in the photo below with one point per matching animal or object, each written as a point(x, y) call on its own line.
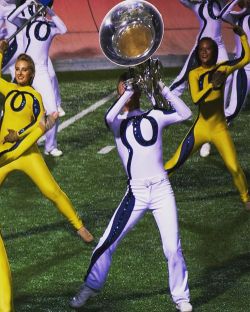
point(138, 137)
point(16, 45)
point(39, 35)
point(241, 78)
point(208, 13)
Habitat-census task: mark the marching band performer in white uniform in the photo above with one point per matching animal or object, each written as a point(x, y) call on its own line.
point(209, 14)
point(39, 35)
point(138, 137)
point(27, 13)
point(241, 78)
point(16, 45)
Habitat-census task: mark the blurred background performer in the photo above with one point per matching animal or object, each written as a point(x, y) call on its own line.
point(39, 35)
point(208, 13)
point(26, 14)
point(241, 78)
point(206, 83)
point(16, 45)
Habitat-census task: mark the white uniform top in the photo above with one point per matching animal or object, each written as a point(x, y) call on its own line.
point(138, 134)
point(39, 35)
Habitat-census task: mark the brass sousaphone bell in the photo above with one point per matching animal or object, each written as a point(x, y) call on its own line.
point(129, 34)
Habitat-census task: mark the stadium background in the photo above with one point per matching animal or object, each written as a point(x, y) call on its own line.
point(79, 48)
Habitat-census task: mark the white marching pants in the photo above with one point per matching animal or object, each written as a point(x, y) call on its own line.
point(55, 84)
point(154, 194)
point(42, 83)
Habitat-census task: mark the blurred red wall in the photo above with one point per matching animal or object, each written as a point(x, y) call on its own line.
point(83, 19)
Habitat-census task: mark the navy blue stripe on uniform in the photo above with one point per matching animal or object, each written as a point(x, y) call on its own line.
point(200, 12)
point(8, 55)
point(186, 149)
point(121, 218)
point(241, 91)
point(123, 129)
point(36, 112)
point(36, 106)
point(190, 65)
point(10, 149)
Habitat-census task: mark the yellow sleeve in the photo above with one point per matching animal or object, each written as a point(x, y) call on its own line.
point(25, 144)
point(38, 112)
point(197, 94)
point(5, 86)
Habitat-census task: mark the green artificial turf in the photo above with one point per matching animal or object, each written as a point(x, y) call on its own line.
point(48, 260)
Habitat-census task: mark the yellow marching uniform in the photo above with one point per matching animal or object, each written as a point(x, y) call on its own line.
point(6, 304)
point(211, 125)
point(22, 112)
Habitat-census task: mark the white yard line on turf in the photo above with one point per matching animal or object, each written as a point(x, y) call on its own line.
point(106, 149)
point(83, 113)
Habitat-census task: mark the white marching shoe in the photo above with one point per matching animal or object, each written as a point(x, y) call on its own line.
point(82, 296)
point(205, 150)
point(61, 111)
point(55, 152)
point(184, 306)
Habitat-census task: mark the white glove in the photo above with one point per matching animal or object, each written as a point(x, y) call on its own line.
point(129, 84)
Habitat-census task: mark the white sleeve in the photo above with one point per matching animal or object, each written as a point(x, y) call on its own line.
point(3, 33)
point(187, 3)
point(115, 110)
point(225, 13)
point(181, 111)
point(14, 16)
point(60, 26)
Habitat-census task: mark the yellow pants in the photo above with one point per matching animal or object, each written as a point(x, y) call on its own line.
point(6, 304)
point(33, 165)
point(29, 160)
point(202, 132)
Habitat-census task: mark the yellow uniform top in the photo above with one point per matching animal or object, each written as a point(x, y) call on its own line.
point(22, 109)
point(210, 101)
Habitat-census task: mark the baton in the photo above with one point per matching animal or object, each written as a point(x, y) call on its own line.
point(44, 4)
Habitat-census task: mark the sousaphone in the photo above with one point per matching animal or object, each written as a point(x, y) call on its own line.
point(129, 35)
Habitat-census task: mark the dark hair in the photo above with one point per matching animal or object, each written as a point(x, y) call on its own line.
point(129, 75)
point(214, 47)
point(137, 92)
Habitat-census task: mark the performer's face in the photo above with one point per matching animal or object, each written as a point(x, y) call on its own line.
point(206, 53)
point(23, 73)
